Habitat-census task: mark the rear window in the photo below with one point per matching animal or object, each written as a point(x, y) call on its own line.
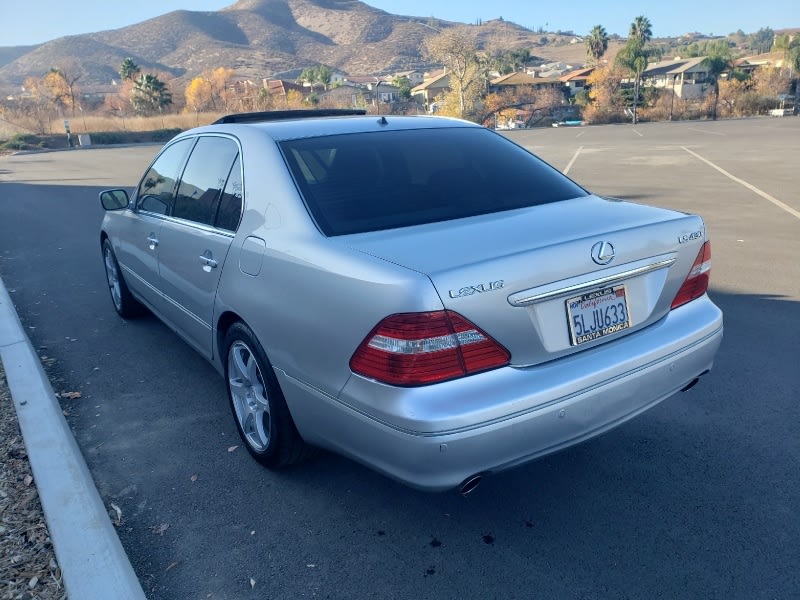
point(362, 182)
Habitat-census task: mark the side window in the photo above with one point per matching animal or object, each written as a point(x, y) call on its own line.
point(204, 178)
point(155, 193)
point(230, 206)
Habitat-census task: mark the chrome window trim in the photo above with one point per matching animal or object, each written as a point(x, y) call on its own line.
point(133, 206)
point(187, 223)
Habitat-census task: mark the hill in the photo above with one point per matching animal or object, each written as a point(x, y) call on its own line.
point(262, 38)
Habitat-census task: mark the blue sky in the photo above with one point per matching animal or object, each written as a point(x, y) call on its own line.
point(34, 21)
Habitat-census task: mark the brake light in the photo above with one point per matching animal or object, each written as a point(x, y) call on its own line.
point(696, 283)
point(414, 349)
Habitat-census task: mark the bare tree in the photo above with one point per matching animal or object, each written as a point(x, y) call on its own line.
point(537, 102)
point(457, 49)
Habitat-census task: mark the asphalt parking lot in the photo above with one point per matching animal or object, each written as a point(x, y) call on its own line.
point(696, 498)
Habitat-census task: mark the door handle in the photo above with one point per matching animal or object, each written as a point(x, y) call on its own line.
point(153, 240)
point(208, 261)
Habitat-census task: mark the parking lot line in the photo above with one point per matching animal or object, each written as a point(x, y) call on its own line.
point(574, 158)
point(749, 186)
point(639, 133)
point(706, 131)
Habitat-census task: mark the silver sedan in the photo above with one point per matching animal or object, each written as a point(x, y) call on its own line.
point(417, 293)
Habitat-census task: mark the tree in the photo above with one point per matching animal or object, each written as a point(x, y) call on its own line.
point(771, 83)
point(316, 75)
point(308, 76)
point(641, 29)
point(55, 87)
point(596, 44)
point(717, 62)
point(457, 49)
point(509, 61)
point(199, 94)
point(36, 106)
point(634, 58)
point(792, 55)
point(324, 76)
point(635, 55)
point(403, 84)
point(731, 91)
point(781, 42)
point(761, 41)
point(605, 104)
point(220, 79)
point(537, 102)
point(128, 70)
point(60, 87)
point(150, 94)
point(294, 99)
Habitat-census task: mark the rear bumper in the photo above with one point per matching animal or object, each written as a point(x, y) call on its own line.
point(435, 437)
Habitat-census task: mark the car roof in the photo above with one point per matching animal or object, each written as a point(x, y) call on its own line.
point(318, 126)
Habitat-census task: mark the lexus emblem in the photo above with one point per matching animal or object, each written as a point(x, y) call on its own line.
point(602, 253)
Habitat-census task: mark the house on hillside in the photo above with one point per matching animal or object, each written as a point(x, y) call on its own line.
point(687, 77)
point(575, 81)
point(279, 88)
point(344, 95)
point(429, 90)
point(518, 80)
point(414, 76)
point(550, 70)
point(749, 64)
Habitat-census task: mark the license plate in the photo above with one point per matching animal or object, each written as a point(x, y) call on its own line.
point(597, 314)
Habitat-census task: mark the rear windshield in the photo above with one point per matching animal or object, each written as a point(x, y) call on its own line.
point(362, 182)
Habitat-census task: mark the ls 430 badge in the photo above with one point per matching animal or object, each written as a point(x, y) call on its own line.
point(477, 289)
point(688, 237)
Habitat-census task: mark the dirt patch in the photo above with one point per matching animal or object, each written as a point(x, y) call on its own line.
point(28, 567)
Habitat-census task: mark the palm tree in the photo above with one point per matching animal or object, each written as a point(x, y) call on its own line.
point(596, 43)
point(634, 58)
point(641, 29)
point(150, 94)
point(128, 69)
point(718, 61)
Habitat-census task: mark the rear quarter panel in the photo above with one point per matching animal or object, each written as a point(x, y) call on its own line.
point(312, 300)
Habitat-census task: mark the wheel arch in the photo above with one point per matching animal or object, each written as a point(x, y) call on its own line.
point(224, 323)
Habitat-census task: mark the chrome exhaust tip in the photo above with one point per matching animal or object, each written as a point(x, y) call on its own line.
point(469, 485)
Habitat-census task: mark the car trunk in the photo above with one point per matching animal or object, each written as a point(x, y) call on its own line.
point(527, 277)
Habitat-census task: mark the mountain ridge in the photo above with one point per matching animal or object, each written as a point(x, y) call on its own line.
point(258, 38)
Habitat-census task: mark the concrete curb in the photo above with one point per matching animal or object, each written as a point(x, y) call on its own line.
point(89, 552)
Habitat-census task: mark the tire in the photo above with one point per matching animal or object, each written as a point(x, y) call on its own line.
point(257, 403)
point(124, 303)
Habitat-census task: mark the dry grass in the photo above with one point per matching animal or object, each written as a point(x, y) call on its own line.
point(28, 567)
point(97, 123)
point(167, 121)
point(92, 123)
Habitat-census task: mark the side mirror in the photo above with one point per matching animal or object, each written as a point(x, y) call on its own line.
point(114, 199)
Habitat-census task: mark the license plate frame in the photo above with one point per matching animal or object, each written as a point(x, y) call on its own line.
point(597, 314)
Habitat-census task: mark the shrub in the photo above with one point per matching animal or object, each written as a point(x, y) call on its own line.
point(22, 141)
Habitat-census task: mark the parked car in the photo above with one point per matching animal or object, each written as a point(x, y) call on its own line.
point(417, 293)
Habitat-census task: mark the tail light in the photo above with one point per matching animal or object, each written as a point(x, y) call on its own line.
point(413, 349)
point(696, 283)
